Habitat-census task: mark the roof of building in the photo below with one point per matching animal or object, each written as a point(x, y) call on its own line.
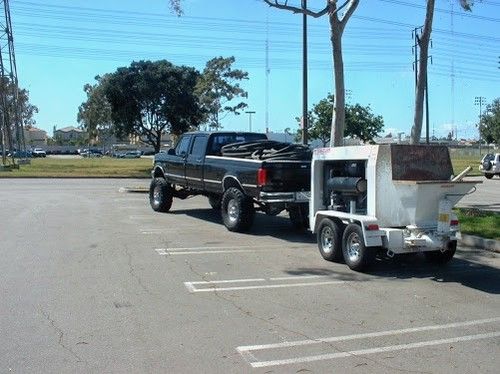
point(69, 129)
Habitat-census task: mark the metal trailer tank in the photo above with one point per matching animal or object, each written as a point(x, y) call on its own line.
point(397, 198)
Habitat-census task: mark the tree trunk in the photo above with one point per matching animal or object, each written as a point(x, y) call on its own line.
point(416, 130)
point(338, 117)
point(157, 143)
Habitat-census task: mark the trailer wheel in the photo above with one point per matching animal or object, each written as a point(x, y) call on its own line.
point(299, 217)
point(214, 201)
point(442, 258)
point(356, 255)
point(329, 238)
point(160, 195)
point(237, 210)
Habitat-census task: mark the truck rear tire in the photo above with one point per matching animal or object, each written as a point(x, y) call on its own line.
point(237, 210)
point(442, 258)
point(356, 255)
point(299, 217)
point(329, 238)
point(160, 195)
point(488, 176)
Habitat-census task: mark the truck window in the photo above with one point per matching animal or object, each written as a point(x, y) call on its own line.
point(220, 140)
point(182, 148)
point(199, 146)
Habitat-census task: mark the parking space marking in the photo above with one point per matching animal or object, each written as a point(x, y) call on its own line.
point(191, 286)
point(224, 249)
point(390, 348)
point(248, 352)
point(138, 217)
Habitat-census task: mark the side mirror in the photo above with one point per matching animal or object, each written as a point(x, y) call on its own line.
point(171, 151)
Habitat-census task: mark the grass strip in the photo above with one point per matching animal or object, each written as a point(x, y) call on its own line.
point(82, 167)
point(479, 223)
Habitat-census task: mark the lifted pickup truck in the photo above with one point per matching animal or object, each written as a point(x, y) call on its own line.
point(235, 186)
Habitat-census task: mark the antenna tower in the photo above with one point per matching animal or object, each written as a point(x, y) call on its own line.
point(11, 127)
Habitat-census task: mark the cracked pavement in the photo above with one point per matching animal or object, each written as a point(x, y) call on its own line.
point(92, 280)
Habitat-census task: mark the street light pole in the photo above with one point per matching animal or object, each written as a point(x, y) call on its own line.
point(305, 121)
point(250, 112)
point(480, 100)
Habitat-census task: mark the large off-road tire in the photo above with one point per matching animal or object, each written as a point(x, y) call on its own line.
point(237, 210)
point(160, 195)
point(329, 238)
point(487, 165)
point(442, 258)
point(488, 176)
point(299, 216)
point(214, 201)
point(356, 255)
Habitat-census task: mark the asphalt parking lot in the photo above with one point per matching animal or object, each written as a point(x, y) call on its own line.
point(92, 280)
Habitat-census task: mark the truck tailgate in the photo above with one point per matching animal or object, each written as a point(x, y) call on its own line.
point(287, 176)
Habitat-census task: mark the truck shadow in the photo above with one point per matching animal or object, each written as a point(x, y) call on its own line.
point(274, 226)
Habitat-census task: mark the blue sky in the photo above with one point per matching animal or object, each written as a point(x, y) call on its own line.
point(61, 45)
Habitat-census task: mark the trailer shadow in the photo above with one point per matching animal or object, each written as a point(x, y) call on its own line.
point(462, 270)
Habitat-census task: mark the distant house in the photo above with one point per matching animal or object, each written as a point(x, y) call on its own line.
point(70, 133)
point(35, 137)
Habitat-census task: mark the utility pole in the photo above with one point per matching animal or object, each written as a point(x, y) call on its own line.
point(250, 112)
point(305, 121)
point(416, 46)
point(480, 101)
point(268, 71)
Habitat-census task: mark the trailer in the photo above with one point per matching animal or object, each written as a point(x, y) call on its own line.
point(390, 198)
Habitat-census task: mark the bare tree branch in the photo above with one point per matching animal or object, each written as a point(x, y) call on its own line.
point(353, 4)
point(294, 9)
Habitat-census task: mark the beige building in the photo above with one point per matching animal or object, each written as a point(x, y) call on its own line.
point(35, 137)
point(70, 133)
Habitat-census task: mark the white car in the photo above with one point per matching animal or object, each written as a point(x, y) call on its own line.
point(38, 152)
point(490, 165)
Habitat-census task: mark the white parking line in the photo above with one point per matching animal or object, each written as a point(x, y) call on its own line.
point(217, 250)
point(248, 352)
point(190, 286)
point(390, 348)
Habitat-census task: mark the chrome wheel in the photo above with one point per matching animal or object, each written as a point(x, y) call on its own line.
point(232, 210)
point(157, 195)
point(353, 244)
point(327, 240)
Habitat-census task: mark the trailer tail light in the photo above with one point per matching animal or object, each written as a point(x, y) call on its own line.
point(372, 227)
point(454, 222)
point(261, 177)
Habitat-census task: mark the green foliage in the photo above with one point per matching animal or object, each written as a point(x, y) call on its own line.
point(26, 109)
point(361, 123)
point(489, 127)
point(95, 114)
point(216, 89)
point(479, 223)
point(150, 98)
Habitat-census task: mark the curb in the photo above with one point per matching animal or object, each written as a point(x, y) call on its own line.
point(482, 243)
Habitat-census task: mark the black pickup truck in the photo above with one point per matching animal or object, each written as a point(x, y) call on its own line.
point(236, 186)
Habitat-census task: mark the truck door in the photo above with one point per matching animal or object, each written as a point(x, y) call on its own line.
point(177, 164)
point(195, 161)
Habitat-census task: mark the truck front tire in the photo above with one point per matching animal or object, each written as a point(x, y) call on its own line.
point(356, 255)
point(329, 238)
point(160, 195)
point(237, 210)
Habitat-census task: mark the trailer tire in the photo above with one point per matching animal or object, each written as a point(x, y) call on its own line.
point(160, 195)
point(329, 238)
point(214, 201)
point(299, 217)
point(442, 258)
point(356, 255)
point(237, 210)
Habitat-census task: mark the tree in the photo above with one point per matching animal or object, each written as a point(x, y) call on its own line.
point(423, 43)
point(489, 126)
point(361, 123)
point(95, 113)
point(217, 87)
point(337, 26)
point(150, 98)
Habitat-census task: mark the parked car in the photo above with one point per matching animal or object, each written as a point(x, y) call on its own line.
point(91, 153)
point(490, 165)
point(38, 152)
point(20, 154)
point(131, 154)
